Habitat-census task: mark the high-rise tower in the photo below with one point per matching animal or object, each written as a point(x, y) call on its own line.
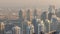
point(16, 30)
point(21, 19)
point(2, 28)
point(29, 28)
point(35, 12)
point(28, 14)
point(51, 10)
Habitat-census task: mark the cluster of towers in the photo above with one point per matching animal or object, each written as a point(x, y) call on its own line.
point(31, 25)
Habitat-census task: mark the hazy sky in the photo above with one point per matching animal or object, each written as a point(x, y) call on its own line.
point(29, 3)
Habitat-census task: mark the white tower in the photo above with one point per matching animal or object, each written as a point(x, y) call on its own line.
point(2, 28)
point(42, 26)
point(16, 30)
point(32, 29)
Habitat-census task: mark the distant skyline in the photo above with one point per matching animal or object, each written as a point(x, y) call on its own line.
point(29, 3)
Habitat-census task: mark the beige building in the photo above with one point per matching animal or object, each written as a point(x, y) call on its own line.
point(2, 28)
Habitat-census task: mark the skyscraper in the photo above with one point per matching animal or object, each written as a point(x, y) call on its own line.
point(43, 28)
point(51, 10)
point(54, 22)
point(29, 28)
point(20, 13)
point(2, 28)
point(28, 14)
point(44, 16)
point(34, 22)
point(50, 16)
point(32, 29)
point(35, 12)
point(21, 19)
point(16, 30)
